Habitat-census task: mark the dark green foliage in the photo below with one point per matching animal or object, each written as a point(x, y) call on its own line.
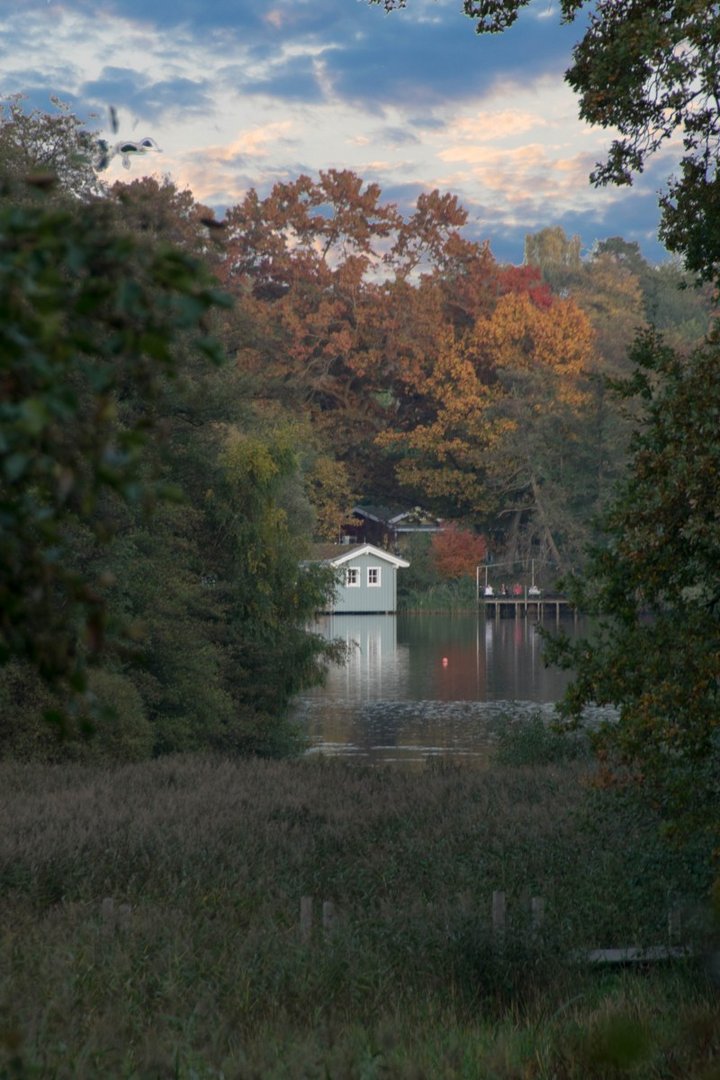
point(143, 538)
point(24, 700)
point(88, 318)
point(119, 730)
point(122, 729)
point(534, 742)
point(653, 586)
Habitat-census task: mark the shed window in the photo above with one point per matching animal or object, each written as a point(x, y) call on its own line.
point(352, 577)
point(373, 576)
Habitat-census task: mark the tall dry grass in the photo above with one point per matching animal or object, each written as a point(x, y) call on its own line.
point(205, 974)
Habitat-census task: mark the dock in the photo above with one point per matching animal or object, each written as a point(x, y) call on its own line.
point(523, 607)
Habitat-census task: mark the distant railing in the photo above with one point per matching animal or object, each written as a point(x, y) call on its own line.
point(502, 931)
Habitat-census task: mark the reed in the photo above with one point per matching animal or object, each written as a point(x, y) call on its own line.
point(455, 596)
point(151, 924)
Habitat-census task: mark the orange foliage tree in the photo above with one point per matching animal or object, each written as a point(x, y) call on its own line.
point(456, 552)
point(503, 410)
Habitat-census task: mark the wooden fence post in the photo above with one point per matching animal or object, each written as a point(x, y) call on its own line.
point(306, 915)
point(537, 913)
point(124, 913)
point(107, 914)
point(498, 915)
point(328, 917)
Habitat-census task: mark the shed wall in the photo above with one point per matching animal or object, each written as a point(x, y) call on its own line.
point(365, 597)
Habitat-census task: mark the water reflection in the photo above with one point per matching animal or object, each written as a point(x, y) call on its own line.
point(415, 686)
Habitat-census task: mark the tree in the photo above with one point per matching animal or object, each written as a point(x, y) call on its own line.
point(611, 296)
point(457, 552)
point(648, 70)
point(554, 253)
point(346, 302)
point(500, 430)
point(86, 317)
point(54, 149)
point(653, 586)
point(149, 555)
point(443, 454)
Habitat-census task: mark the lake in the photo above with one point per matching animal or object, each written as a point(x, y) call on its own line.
point(427, 685)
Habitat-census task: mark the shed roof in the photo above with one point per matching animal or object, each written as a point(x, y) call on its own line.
point(337, 554)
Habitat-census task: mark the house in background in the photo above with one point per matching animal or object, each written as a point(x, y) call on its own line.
point(387, 526)
point(366, 578)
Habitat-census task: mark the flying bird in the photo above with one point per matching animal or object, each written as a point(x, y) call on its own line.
point(126, 149)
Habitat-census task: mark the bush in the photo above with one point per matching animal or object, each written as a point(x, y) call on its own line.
point(24, 698)
point(445, 596)
point(124, 732)
point(533, 741)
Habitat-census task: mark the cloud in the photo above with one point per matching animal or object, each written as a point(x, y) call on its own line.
point(490, 125)
point(241, 93)
point(130, 89)
point(427, 123)
point(425, 62)
point(295, 78)
point(397, 136)
point(275, 18)
point(253, 143)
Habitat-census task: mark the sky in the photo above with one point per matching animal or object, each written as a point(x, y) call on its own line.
point(241, 94)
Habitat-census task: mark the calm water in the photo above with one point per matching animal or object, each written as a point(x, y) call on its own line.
point(417, 686)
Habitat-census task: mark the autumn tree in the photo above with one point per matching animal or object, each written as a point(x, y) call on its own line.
point(556, 255)
point(347, 300)
point(443, 454)
point(501, 428)
point(297, 261)
point(621, 293)
point(457, 552)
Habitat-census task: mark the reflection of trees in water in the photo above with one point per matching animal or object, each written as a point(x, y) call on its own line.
point(396, 692)
point(414, 731)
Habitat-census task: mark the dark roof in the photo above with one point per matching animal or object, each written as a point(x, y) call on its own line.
point(392, 515)
point(382, 514)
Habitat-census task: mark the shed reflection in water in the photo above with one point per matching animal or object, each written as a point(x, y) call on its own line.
point(415, 686)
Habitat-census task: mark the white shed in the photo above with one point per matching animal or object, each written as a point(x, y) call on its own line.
point(366, 579)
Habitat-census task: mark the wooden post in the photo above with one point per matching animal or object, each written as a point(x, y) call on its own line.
point(537, 913)
point(306, 915)
point(328, 918)
point(498, 914)
point(124, 912)
point(107, 914)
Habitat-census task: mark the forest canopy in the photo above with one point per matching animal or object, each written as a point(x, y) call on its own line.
point(188, 403)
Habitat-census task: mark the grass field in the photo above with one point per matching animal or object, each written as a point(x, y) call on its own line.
point(149, 924)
